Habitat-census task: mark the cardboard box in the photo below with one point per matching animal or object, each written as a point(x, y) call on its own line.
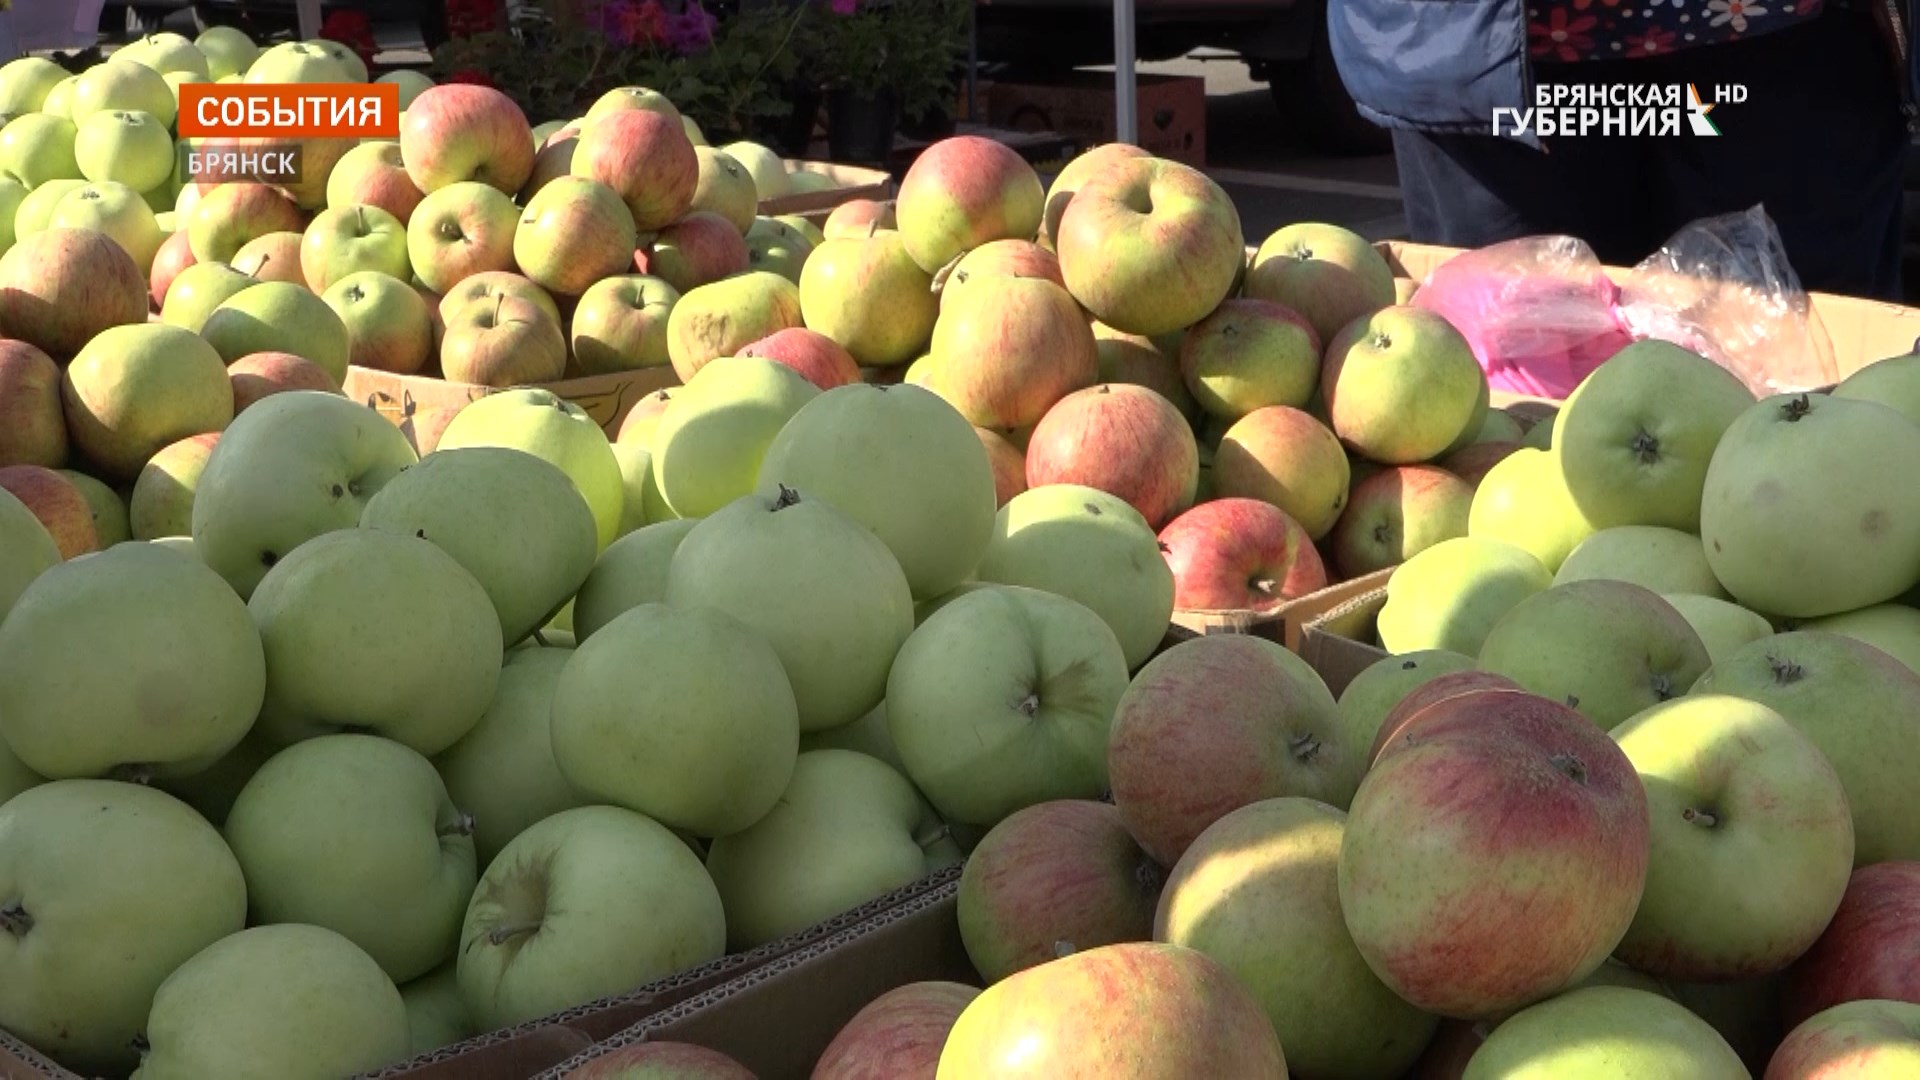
point(778, 1019)
point(1285, 623)
point(851, 182)
point(519, 1052)
point(1172, 111)
point(1343, 640)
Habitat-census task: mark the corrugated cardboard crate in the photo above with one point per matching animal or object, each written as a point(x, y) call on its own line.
point(1285, 623)
point(1172, 111)
point(519, 1052)
point(779, 1018)
point(1343, 640)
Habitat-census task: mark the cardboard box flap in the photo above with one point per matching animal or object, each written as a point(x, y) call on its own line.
point(1340, 644)
point(779, 1018)
point(850, 182)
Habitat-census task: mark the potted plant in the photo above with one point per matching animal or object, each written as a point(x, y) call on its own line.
point(726, 67)
point(884, 60)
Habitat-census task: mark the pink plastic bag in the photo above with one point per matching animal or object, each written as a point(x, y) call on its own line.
point(1539, 312)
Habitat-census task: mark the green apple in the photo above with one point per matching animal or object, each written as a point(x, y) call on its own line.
point(692, 131)
point(1723, 625)
point(131, 148)
point(135, 389)
point(198, 290)
point(491, 285)
point(719, 319)
point(36, 210)
point(848, 829)
point(1752, 840)
point(1651, 556)
point(1285, 457)
point(1374, 692)
point(1607, 648)
point(773, 245)
point(1634, 439)
point(636, 478)
point(12, 194)
point(716, 431)
point(278, 316)
point(1089, 546)
point(587, 903)
point(824, 591)
point(867, 735)
point(800, 224)
point(1863, 1038)
point(315, 609)
point(411, 83)
point(166, 52)
point(1451, 595)
point(110, 522)
point(701, 738)
point(868, 294)
point(357, 834)
point(1894, 629)
point(620, 324)
point(1605, 1033)
point(1524, 501)
point(573, 232)
point(120, 612)
point(1893, 382)
point(109, 887)
point(116, 210)
point(25, 83)
point(122, 85)
point(514, 521)
point(1794, 524)
point(1258, 891)
point(348, 60)
point(229, 51)
point(502, 772)
point(436, 1015)
point(558, 431)
point(298, 62)
point(1329, 274)
point(59, 100)
point(1004, 699)
point(1857, 705)
point(768, 170)
point(225, 219)
point(345, 239)
point(631, 572)
point(39, 147)
point(1402, 386)
point(869, 449)
point(725, 187)
point(802, 181)
point(280, 1001)
point(27, 550)
point(291, 467)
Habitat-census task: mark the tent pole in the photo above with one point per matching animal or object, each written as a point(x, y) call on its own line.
point(1126, 98)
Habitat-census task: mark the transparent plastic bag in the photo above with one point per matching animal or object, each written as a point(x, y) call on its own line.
point(1539, 312)
point(1722, 287)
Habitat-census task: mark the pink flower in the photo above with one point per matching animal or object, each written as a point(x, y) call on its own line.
point(630, 22)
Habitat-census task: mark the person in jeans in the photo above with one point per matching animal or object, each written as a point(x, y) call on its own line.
point(1821, 138)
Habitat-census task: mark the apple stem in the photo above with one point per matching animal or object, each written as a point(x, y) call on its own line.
point(14, 919)
point(360, 218)
point(1703, 818)
point(500, 935)
point(1030, 704)
point(1796, 410)
point(788, 497)
point(1785, 671)
point(461, 825)
point(933, 836)
point(1573, 767)
point(498, 300)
